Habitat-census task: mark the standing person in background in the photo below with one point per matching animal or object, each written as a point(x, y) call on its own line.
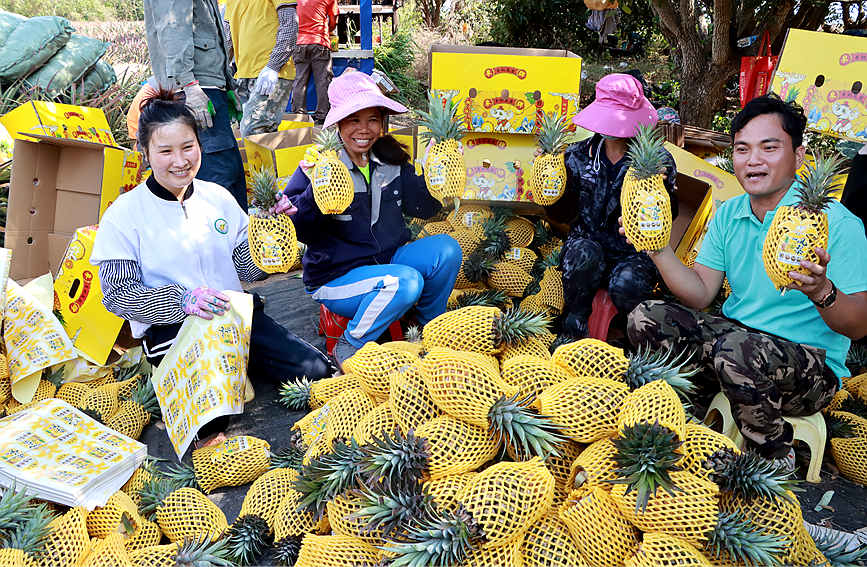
point(316, 20)
point(187, 52)
point(262, 35)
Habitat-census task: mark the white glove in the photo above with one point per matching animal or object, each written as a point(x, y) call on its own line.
point(266, 81)
point(197, 102)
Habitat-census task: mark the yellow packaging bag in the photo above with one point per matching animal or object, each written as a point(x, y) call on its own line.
point(203, 374)
point(34, 337)
point(5, 262)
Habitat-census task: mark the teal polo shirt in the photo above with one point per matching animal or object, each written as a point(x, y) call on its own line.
point(733, 245)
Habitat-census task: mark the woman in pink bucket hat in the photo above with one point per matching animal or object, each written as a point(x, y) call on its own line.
point(595, 255)
point(360, 264)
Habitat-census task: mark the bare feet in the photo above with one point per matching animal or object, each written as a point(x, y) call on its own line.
point(210, 440)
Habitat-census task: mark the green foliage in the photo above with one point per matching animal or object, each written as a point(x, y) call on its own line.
point(394, 58)
point(77, 10)
point(666, 93)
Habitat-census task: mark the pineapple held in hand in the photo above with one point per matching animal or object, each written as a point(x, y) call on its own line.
point(273, 244)
point(549, 170)
point(444, 172)
point(643, 199)
point(333, 189)
point(797, 230)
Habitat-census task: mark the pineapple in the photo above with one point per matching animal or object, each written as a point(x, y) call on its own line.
point(736, 540)
point(333, 190)
point(549, 170)
point(530, 375)
point(272, 240)
point(192, 551)
point(119, 515)
point(838, 548)
point(644, 201)
point(586, 409)
point(699, 443)
point(446, 491)
point(488, 298)
point(646, 455)
point(377, 422)
point(181, 512)
point(372, 364)
point(233, 462)
point(796, 231)
point(67, 540)
point(659, 549)
point(466, 386)
point(147, 535)
point(336, 551)
point(444, 173)
point(102, 402)
point(247, 539)
point(547, 543)
point(137, 411)
point(385, 511)
point(594, 465)
point(654, 402)
point(106, 552)
point(304, 394)
point(24, 545)
point(601, 532)
point(484, 330)
point(410, 401)
point(326, 476)
point(520, 232)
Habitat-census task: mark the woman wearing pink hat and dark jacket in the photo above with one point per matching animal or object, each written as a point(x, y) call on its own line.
point(359, 264)
point(595, 254)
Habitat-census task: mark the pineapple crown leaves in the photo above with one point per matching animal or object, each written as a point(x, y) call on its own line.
point(328, 475)
point(15, 508)
point(502, 214)
point(855, 405)
point(143, 394)
point(838, 428)
point(247, 539)
point(511, 420)
point(646, 454)
point(396, 459)
point(127, 372)
point(541, 233)
point(30, 534)
point(388, 510)
point(840, 550)
point(478, 266)
point(413, 334)
point(749, 475)
point(441, 119)
point(54, 376)
point(153, 493)
point(551, 260)
point(646, 153)
point(515, 325)
point(264, 189)
point(295, 395)
point(93, 414)
point(818, 181)
point(496, 241)
point(436, 538)
point(553, 136)
point(856, 358)
point(486, 298)
point(290, 457)
point(203, 553)
point(286, 550)
point(646, 366)
point(736, 540)
point(184, 476)
point(329, 139)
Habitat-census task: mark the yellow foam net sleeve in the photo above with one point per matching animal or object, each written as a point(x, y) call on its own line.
point(344, 412)
point(129, 419)
point(5, 384)
point(464, 384)
point(774, 516)
point(290, 521)
point(265, 494)
point(510, 278)
point(592, 358)
point(273, 243)
point(233, 462)
point(585, 409)
point(136, 482)
point(699, 443)
point(851, 458)
point(793, 235)
point(372, 364)
point(530, 374)
point(601, 533)
point(594, 465)
point(73, 393)
point(533, 346)
point(103, 400)
point(324, 389)
point(341, 515)
point(688, 513)
point(186, 512)
point(147, 535)
point(855, 384)
point(436, 227)
point(550, 246)
point(471, 217)
point(467, 240)
point(654, 402)
point(547, 543)
point(560, 466)
point(336, 551)
point(857, 423)
point(548, 178)
point(487, 555)
point(646, 212)
point(312, 425)
point(663, 550)
point(506, 498)
point(107, 552)
point(456, 446)
point(108, 519)
point(551, 290)
point(522, 257)
point(409, 399)
point(376, 423)
point(468, 328)
point(156, 556)
point(445, 172)
point(520, 232)
point(446, 491)
point(10, 557)
point(333, 190)
point(67, 540)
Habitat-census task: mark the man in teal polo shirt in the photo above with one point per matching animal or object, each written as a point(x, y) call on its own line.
point(773, 354)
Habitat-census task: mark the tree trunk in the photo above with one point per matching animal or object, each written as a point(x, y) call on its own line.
point(702, 94)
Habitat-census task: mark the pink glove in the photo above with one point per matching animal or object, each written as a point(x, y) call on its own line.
point(283, 206)
point(203, 302)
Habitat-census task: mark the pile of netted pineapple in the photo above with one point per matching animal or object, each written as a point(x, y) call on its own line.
point(846, 419)
point(475, 446)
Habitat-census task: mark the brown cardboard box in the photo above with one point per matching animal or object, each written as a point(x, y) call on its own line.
point(57, 186)
point(281, 151)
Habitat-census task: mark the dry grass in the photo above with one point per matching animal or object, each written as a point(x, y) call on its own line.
point(127, 45)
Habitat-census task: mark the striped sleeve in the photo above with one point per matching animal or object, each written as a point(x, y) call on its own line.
point(287, 34)
point(125, 295)
point(247, 270)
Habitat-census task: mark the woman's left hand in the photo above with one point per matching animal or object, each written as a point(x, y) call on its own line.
point(283, 207)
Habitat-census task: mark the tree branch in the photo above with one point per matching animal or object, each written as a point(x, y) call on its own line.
point(721, 44)
point(668, 18)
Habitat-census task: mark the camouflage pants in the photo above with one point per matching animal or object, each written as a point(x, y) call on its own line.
point(262, 113)
point(764, 376)
point(587, 266)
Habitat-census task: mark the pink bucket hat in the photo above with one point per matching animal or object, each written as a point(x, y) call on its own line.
point(353, 91)
point(619, 108)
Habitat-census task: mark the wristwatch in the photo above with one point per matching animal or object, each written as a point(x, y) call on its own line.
point(829, 299)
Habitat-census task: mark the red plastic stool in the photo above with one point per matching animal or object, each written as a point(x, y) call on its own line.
point(601, 315)
point(332, 326)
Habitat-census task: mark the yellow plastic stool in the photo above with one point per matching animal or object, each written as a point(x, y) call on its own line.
point(809, 429)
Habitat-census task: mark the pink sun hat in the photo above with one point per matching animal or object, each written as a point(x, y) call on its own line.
point(353, 91)
point(619, 108)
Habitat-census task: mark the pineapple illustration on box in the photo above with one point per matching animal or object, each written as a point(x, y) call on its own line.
point(273, 244)
point(549, 169)
point(445, 172)
point(797, 230)
point(644, 200)
point(333, 190)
